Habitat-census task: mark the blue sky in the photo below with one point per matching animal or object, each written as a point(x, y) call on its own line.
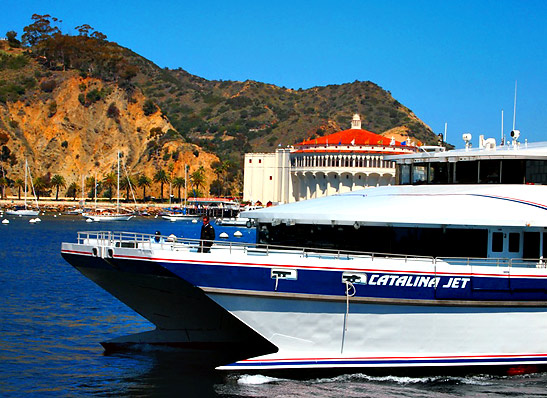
point(448, 61)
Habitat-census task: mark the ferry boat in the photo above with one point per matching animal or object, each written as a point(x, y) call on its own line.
point(444, 272)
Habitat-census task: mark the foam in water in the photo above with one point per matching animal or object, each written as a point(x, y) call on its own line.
point(256, 379)
point(471, 380)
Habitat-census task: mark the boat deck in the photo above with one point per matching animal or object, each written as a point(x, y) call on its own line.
point(132, 240)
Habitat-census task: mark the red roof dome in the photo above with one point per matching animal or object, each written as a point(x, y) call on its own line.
point(350, 137)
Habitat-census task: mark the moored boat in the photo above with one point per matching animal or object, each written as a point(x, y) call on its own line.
point(421, 276)
point(25, 210)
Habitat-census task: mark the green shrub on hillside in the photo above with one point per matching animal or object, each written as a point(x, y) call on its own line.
point(9, 61)
point(149, 108)
point(10, 92)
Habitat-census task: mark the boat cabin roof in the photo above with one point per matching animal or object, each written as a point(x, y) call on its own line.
point(421, 205)
point(537, 150)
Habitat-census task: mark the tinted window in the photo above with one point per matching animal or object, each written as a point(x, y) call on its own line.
point(514, 242)
point(497, 242)
point(530, 245)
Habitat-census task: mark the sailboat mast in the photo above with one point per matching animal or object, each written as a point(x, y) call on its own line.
point(26, 167)
point(95, 195)
point(118, 190)
point(83, 190)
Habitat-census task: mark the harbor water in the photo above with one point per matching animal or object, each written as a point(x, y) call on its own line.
point(52, 320)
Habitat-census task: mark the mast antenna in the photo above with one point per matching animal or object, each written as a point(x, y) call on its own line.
point(502, 140)
point(515, 106)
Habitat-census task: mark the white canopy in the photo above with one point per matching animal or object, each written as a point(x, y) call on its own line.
point(433, 205)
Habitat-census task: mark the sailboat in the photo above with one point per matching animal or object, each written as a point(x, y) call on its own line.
point(24, 210)
point(110, 214)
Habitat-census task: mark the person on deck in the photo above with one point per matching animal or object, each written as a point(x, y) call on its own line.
point(207, 236)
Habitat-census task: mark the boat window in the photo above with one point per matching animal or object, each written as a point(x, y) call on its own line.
point(489, 172)
point(513, 171)
point(438, 173)
point(419, 174)
point(404, 174)
point(536, 171)
point(530, 245)
point(467, 172)
point(438, 242)
point(497, 242)
point(514, 242)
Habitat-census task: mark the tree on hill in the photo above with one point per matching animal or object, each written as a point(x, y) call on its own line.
point(40, 30)
point(12, 39)
point(57, 181)
point(88, 52)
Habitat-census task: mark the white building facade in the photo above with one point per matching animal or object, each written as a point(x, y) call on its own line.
point(341, 162)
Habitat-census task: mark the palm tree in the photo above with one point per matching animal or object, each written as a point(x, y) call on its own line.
point(3, 184)
point(163, 178)
point(19, 183)
point(72, 190)
point(126, 184)
point(57, 181)
point(198, 178)
point(179, 182)
point(223, 169)
point(142, 182)
point(109, 181)
point(90, 184)
point(39, 185)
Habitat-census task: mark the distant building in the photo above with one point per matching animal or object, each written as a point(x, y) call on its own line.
point(340, 162)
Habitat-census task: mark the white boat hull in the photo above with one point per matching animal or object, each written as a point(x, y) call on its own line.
point(103, 218)
point(22, 212)
point(318, 334)
point(235, 222)
point(181, 217)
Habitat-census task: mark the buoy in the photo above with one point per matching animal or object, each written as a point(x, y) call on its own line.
point(156, 216)
point(238, 234)
point(55, 216)
point(32, 221)
point(37, 219)
point(194, 221)
point(172, 238)
point(223, 235)
point(5, 221)
point(88, 220)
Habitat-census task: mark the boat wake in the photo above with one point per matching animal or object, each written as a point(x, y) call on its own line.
point(478, 380)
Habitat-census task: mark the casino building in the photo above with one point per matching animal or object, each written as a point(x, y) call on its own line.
point(340, 162)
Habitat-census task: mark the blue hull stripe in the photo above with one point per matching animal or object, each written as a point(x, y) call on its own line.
point(455, 361)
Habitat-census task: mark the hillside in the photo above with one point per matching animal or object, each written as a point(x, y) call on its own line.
point(69, 103)
point(231, 118)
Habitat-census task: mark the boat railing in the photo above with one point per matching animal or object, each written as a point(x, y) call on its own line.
point(172, 242)
point(496, 262)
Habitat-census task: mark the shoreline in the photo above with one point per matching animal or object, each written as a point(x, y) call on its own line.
point(64, 204)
